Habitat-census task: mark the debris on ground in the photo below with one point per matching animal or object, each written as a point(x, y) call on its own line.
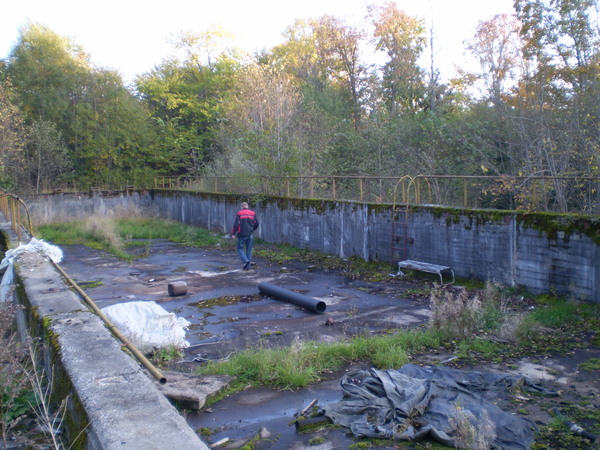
point(148, 325)
point(189, 391)
point(440, 403)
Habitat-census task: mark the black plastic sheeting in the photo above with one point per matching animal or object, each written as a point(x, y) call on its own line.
point(415, 403)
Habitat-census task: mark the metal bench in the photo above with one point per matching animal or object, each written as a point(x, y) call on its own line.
point(425, 267)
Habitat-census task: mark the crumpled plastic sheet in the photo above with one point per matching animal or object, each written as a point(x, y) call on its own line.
point(34, 245)
point(7, 264)
point(148, 325)
point(415, 403)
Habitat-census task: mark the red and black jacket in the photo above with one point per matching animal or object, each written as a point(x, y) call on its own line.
point(245, 223)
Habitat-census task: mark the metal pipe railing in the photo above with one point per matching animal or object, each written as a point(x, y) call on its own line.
point(562, 194)
point(11, 206)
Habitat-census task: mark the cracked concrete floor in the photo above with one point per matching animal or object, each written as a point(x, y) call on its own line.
point(228, 313)
point(224, 305)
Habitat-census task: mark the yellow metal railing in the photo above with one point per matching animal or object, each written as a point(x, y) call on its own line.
point(531, 193)
point(564, 194)
point(16, 212)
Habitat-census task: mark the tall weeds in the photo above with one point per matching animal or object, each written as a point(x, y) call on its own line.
point(24, 391)
point(458, 314)
point(16, 393)
point(470, 432)
point(454, 312)
point(49, 417)
point(103, 229)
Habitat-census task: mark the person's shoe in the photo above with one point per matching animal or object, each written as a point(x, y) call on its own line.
point(246, 265)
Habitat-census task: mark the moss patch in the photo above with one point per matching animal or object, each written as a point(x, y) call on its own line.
point(553, 224)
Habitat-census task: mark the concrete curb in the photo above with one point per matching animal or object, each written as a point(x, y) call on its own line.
point(113, 403)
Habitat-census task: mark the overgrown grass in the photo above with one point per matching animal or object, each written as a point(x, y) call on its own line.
point(591, 364)
point(477, 347)
point(353, 267)
point(114, 235)
point(474, 325)
point(481, 322)
point(305, 362)
point(149, 228)
point(559, 313)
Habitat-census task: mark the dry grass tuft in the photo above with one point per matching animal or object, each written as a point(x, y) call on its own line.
point(460, 314)
point(455, 312)
point(104, 228)
point(470, 432)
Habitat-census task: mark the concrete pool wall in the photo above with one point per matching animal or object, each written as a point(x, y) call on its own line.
point(542, 252)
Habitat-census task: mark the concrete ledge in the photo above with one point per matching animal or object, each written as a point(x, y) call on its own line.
point(114, 403)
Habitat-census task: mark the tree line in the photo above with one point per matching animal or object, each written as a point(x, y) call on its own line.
point(315, 105)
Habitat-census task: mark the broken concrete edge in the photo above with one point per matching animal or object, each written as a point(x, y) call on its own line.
point(111, 402)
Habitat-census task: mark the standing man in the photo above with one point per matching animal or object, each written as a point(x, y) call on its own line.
point(244, 225)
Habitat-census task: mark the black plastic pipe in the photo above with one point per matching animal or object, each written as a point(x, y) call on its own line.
point(304, 301)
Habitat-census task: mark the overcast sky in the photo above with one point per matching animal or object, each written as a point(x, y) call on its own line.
point(130, 36)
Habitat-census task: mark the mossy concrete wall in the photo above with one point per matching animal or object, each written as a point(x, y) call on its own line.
point(539, 251)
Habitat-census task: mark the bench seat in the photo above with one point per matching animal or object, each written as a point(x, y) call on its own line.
point(409, 264)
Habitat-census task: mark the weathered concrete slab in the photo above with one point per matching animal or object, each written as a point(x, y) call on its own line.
point(190, 391)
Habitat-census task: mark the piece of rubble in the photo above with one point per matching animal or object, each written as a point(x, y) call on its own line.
point(190, 391)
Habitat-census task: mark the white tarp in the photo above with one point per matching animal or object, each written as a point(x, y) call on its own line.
point(148, 325)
